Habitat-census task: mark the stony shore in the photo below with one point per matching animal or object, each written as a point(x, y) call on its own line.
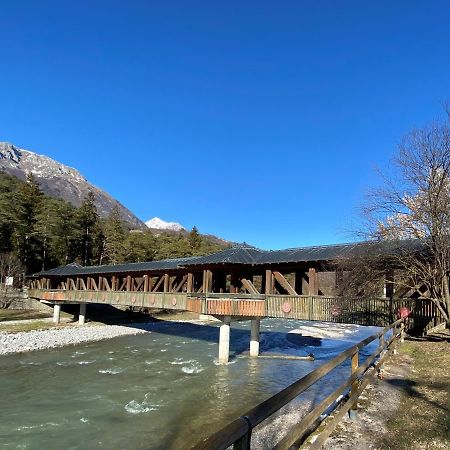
point(59, 337)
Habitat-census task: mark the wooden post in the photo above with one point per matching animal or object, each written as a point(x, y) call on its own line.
point(128, 283)
point(145, 283)
point(298, 282)
point(269, 282)
point(166, 282)
point(355, 364)
point(313, 282)
point(207, 281)
point(190, 282)
point(234, 283)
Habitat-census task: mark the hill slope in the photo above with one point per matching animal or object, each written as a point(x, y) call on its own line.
point(60, 181)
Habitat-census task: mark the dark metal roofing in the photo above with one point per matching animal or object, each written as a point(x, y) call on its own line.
point(245, 256)
point(234, 255)
point(75, 269)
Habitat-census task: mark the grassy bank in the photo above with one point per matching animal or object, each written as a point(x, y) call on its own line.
point(422, 420)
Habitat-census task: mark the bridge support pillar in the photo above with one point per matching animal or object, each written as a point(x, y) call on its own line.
point(224, 341)
point(82, 315)
point(254, 337)
point(56, 312)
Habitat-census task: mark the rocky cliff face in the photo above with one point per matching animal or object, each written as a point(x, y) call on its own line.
point(60, 181)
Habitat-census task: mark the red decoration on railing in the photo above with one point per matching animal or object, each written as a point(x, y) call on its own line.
point(286, 307)
point(335, 310)
point(403, 312)
point(174, 301)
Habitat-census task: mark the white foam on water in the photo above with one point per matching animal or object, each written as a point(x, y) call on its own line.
point(149, 362)
point(38, 426)
point(78, 353)
point(181, 361)
point(84, 363)
point(163, 350)
point(193, 368)
point(84, 420)
point(135, 407)
point(217, 363)
point(112, 371)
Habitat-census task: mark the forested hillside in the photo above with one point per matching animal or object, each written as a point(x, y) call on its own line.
point(44, 232)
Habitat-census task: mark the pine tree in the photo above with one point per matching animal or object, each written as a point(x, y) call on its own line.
point(28, 243)
point(115, 236)
point(195, 240)
point(88, 240)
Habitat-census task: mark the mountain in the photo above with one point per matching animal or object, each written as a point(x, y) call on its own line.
point(60, 181)
point(157, 224)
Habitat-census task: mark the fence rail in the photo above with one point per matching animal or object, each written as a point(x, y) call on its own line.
point(238, 433)
point(424, 314)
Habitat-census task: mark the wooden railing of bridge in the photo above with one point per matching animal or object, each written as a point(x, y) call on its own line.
point(239, 432)
point(380, 312)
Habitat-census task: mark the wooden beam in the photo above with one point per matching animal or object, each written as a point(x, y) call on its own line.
point(106, 284)
point(313, 281)
point(249, 286)
point(123, 285)
point(181, 283)
point(82, 284)
point(284, 283)
point(158, 284)
point(166, 282)
point(207, 281)
point(140, 284)
point(93, 284)
point(146, 280)
point(128, 288)
point(269, 282)
point(190, 282)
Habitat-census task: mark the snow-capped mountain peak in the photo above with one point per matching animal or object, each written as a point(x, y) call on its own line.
point(157, 224)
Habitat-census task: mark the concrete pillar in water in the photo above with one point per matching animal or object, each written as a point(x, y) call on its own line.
point(224, 341)
point(56, 312)
point(254, 337)
point(82, 315)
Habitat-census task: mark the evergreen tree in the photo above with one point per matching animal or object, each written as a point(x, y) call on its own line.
point(115, 236)
point(140, 246)
point(28, 244)
point(88, 236)
point(195, 240)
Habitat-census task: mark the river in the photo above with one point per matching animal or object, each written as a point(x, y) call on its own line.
point(162, 390)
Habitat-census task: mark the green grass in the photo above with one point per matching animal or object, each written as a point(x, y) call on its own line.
point(422, 420)
point(21, 314)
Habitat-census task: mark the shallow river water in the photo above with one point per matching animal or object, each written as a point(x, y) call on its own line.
point(162, 390)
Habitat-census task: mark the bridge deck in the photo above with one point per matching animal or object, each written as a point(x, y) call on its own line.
point(302, 307)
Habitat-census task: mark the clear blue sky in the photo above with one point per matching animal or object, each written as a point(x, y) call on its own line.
point(256, 121)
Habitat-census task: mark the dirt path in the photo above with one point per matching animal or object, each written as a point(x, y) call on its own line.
point(409, 408)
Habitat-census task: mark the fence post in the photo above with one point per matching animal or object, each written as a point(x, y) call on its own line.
point(244, 442)
point(355, 364)
point(402, 332)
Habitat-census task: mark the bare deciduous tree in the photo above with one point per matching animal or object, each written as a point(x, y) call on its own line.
point(10, 269)
point(414, 205)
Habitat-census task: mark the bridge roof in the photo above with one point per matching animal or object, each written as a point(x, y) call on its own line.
point(76, 269)
point(243, 256)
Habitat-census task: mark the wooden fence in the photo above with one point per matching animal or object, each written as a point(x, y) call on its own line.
point(239, 432)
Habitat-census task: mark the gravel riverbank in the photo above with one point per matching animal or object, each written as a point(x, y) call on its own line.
point(59, 337)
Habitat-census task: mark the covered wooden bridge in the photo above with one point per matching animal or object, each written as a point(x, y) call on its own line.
point(241, 283)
